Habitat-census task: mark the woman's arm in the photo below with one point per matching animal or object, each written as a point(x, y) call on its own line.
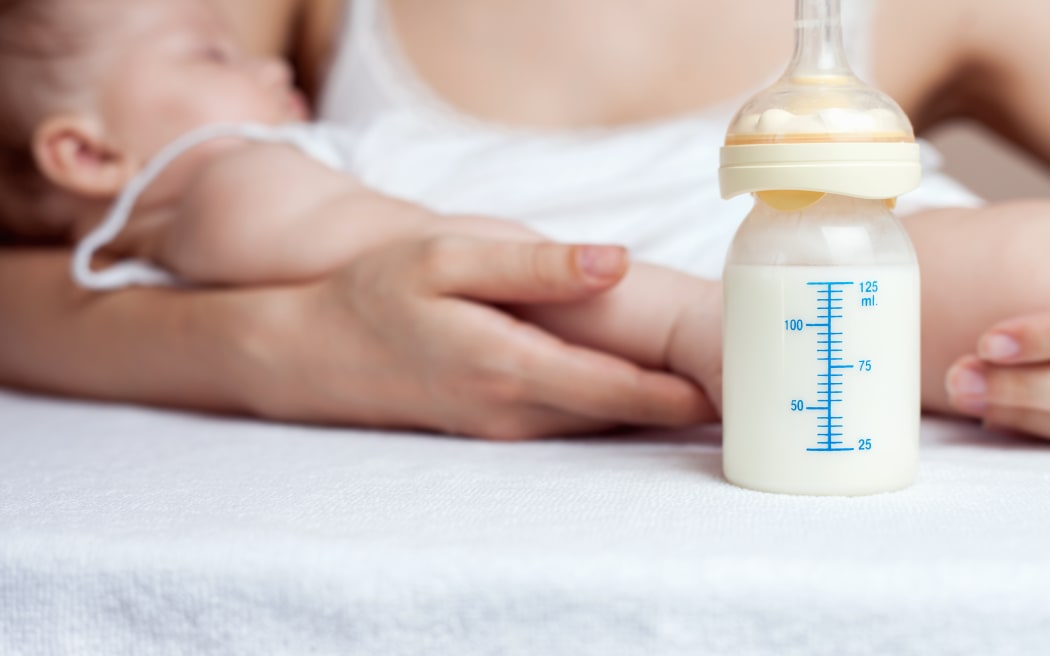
point(946, 59)
point(263, 27)
point(393, 340)
point(144, 346)
point(1007, 81)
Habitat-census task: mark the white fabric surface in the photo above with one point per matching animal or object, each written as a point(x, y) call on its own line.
point(131, 531)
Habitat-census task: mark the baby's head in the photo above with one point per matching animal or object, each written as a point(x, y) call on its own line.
point(89, 91)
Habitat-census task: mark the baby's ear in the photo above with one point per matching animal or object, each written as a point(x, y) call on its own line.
point(71, 151)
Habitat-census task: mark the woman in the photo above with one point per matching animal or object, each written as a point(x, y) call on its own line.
point(394, 341)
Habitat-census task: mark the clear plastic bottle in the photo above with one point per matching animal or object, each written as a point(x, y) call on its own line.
point(821, 380)
point(821, 335)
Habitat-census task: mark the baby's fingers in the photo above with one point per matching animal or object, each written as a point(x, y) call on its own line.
point(1014, 397)
point(1018, 340)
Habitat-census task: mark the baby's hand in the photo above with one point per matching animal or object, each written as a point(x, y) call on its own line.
point(1007, 384)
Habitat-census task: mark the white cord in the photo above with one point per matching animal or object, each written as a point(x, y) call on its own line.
point(139, 272)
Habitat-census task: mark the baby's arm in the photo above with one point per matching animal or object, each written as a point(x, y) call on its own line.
point(979, 267)
point(265, 213)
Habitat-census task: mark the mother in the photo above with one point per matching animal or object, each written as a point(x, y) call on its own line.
point(403, 337)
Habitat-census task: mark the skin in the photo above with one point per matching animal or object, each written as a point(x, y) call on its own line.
point(1006, 383)
point(367, 319)
point(177, 64)
point(512, 62)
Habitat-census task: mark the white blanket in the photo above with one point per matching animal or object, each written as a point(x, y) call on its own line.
point(130, 531)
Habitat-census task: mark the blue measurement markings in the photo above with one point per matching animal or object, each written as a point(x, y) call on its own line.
point(829, 352)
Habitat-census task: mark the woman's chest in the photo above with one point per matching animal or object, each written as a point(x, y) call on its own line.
point(564, 63)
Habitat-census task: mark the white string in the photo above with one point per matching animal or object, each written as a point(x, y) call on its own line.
point(127, 273)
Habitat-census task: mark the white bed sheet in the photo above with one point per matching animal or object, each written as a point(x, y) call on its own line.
point(132, 531)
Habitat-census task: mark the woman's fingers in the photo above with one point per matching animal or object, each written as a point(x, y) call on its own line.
point(967, 384)
point(516, 363)
point(1015, 397)
point(534, 365)
point(517, 423)
point(594, 384)
point(519, 272)
point(1007, 384)
point(1024, 420)
point(401, 326)
point(1018, 340)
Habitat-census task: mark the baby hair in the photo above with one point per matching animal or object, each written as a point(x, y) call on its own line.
point(38, 38)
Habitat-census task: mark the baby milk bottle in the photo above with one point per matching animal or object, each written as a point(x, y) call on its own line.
point(821, 360)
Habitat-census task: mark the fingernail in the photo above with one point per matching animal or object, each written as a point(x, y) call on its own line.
point(602, 261)
point(963, 381)
point(998, 347)
point(967, 390)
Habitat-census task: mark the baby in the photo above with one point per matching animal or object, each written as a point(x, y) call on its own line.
point(134, 99)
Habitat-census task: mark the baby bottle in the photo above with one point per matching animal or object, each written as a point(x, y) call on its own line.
point(821, 359)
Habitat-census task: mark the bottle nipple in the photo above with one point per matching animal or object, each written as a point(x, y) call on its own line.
point(819, 99)
point(819, 129)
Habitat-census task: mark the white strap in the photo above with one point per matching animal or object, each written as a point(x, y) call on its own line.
point(138, 272)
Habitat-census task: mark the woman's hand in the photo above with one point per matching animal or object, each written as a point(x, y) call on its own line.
point(1007, 384)
point(404, 338)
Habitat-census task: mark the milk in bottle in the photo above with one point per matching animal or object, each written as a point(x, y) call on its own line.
point(821, 327)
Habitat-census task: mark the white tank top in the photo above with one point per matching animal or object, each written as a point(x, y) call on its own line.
point(651, 187)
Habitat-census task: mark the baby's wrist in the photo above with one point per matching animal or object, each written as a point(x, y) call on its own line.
point(695, 346)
